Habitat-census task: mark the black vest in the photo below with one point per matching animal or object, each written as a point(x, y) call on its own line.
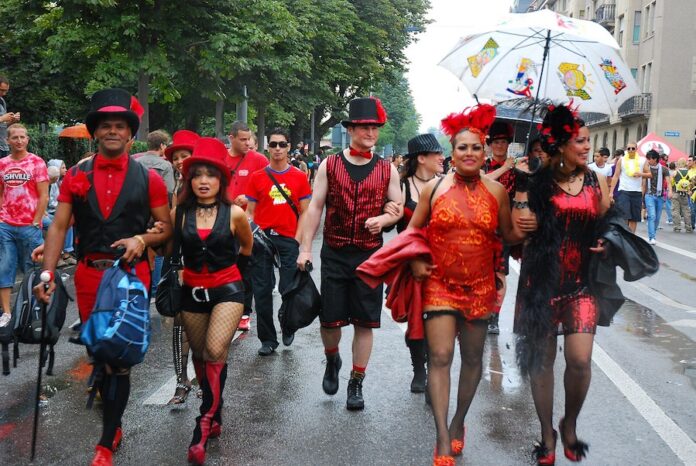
point(94, 233)
point(218, 251)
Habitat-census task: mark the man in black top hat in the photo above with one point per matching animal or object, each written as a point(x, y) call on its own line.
point(356, 189)
point(111, 198)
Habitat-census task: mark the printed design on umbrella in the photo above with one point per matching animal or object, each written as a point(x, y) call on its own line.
point(574, 80)
point(612, 75)
point(485, 56)
point(522, 84)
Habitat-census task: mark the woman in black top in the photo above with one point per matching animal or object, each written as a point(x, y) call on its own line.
point(216, 244)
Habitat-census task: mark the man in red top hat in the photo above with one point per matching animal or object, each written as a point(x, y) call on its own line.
point(242, 162)
point(356, 188)
point(109, 221)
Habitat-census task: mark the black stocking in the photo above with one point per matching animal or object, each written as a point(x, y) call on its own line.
point(542, 392)
point(180, 349)
point(117, 386)
point(472, 336)
point(576, 379)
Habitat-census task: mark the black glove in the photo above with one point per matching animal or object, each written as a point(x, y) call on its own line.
point(521, 181)
point(243, 262)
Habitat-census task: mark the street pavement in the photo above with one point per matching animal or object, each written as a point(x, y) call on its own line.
point(639, 411)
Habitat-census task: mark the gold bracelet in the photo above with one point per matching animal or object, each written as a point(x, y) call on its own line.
point(142, 241)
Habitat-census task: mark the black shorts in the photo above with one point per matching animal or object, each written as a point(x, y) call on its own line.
point(203, 300)
point(630, 204)
point(345, 298)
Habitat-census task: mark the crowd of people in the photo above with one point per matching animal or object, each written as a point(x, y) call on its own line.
point(237, 214)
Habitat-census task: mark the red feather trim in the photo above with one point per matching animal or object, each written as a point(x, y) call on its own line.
point(136, 107)
point(480, 117)
point(381, 112)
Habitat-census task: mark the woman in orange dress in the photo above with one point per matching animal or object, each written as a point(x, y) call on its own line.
point(462, 211)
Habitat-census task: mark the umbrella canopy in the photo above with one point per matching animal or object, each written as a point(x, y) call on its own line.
point(652, 141)
point(546, 55)
point(75, 132)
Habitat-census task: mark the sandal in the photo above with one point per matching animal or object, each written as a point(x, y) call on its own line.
point(180, 394)
point(574, 452)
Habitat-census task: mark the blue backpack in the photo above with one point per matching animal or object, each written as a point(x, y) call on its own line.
point(117, 332)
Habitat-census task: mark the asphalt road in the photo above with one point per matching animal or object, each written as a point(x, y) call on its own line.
point(639, 411)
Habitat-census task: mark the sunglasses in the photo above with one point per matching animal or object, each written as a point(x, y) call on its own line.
point(630, 148)
point(281, 144)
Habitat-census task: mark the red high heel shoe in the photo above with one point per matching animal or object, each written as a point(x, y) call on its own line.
point(211, 400)
point(542, 454)
point(442, 460)
point(457, 446)
point(215, 430)
point(118, 437)
point(575, 452)
point(102, 457)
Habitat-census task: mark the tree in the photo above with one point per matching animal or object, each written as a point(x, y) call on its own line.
point(404, 120)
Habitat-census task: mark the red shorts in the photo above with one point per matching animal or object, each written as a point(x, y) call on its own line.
point(87, 281)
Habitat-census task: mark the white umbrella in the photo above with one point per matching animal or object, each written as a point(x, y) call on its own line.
point(544, 55)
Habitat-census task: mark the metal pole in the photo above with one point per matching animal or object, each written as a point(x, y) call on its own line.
point(311, 133)
point(536, 99)
point(243, 106)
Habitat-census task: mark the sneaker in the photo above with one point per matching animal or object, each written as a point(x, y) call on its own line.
point(266, 350)
point(69, 260)
point(5, 319)
point(244, 324)
point(355, 399)
point(669, 222)
point(288, 338)
point(652, 241)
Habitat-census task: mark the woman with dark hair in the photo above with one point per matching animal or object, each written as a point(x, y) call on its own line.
point(180, 149)
point(568, 200)
point(464, 212)
point(422, 164)
point(216, 243)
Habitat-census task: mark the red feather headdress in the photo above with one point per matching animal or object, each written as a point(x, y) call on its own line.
point(479, 118)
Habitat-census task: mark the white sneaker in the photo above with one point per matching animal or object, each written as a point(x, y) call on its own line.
point(652, 241)
point(5, 319)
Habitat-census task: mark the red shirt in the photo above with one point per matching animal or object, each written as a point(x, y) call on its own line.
point(243, 167)
point(272, 210)
point(108, 179)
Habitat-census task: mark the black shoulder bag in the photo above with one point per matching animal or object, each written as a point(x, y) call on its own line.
point(168, 296)
point(282, 192)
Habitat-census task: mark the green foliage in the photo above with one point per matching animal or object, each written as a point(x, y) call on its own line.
point(48, 145)
point(403, 119)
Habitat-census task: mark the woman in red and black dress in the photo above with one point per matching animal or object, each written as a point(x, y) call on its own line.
point(464, 212)
point(568, 200)
point(422, 164)
point(216, 245)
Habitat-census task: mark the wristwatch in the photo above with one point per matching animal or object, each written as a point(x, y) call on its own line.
point(36, 224)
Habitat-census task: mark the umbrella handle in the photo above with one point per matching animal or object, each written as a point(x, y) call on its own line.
point(46, 277)
point(536, 99)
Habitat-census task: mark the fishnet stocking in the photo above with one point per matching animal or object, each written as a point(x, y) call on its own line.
point(210, 335)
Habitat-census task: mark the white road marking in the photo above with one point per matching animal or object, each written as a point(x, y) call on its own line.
point(165, 393)
point(677, 440)
point(674, 249)
point(683, 323)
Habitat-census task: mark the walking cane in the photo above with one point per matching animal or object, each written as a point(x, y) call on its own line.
point(46, 278)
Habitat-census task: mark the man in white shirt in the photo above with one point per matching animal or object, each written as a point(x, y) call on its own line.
point(600, 164)
point(629, 174)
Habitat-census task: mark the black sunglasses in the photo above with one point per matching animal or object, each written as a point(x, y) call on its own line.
point(281, 144)
point(630, 148)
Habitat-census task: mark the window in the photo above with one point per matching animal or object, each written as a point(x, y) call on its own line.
point(634, 73)
point(625, 139)
point(604, 139)
point(651, 19)
point(648, 76)
point(595, 142)
point(647, 16)
point(582, 14)
point(636, 28)
point(639, 131)
point(620, 31)
point(613, 142)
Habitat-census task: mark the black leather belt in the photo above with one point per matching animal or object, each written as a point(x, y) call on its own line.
point(201, 294)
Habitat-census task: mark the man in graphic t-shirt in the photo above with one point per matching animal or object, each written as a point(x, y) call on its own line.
point(23, 201)
point(629, 173)
point(279, 218)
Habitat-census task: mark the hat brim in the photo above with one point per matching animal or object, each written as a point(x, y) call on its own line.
point(224, 169)
point(490, 139)
point(423, 152)
point(93, 119)
point(347, 123)
point(169, 151)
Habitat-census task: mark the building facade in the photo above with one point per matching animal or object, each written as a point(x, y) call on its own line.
point(658, 43)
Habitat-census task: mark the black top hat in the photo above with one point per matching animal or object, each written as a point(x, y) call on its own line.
point(114, 102)
point(423, 144)
point(365, 111)
point(500, 130)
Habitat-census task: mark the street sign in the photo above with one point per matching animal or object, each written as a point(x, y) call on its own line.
point(672, 134)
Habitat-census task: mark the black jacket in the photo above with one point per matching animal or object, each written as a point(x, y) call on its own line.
point(626, 250)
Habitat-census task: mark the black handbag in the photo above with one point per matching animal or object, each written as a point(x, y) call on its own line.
point(301, 302)
point(168, 296)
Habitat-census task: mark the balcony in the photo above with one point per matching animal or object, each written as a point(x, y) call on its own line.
point(638, 106)
point(595, 119)
point(606, 14)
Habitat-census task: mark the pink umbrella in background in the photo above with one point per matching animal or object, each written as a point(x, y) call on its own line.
point(652, 141)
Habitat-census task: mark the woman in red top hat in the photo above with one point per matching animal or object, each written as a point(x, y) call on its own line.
point(180, 149)
point(216, 243)
point(464, 213)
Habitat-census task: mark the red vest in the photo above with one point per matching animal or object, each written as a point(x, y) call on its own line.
point(350, 203)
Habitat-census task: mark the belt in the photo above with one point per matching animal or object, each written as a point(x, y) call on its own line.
point(201, 294)
point(105, 264)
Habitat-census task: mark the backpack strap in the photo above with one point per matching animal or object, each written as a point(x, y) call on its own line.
point(175, 258)
point(282, 192)
point(432, 194)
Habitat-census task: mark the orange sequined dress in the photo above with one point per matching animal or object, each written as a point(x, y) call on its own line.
point(463, 241)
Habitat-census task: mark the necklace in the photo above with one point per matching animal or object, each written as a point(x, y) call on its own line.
point(415, 185)
point(423, 179)
point(206, 211)
point(466, 179)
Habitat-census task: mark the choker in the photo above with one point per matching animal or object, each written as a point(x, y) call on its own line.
point(423, 179)
point(466, 179)
point(206, 206)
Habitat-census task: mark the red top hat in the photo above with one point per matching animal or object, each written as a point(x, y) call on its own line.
point(209, 151)
point(114, 102)
point(182, 140)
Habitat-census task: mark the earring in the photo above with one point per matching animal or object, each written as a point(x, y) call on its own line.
point(562, 159)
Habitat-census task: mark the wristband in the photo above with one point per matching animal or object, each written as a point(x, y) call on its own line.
point(46, 276)
point(243, 262)
point(521, 181)
point(520, 204)
point(142, 241)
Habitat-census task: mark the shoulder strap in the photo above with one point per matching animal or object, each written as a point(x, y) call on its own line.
point(175, 258)
point(432, 194)
point(282, 192)
point(234, 170)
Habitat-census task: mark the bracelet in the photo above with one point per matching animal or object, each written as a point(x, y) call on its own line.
point(520, 204)
point(142, 241)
